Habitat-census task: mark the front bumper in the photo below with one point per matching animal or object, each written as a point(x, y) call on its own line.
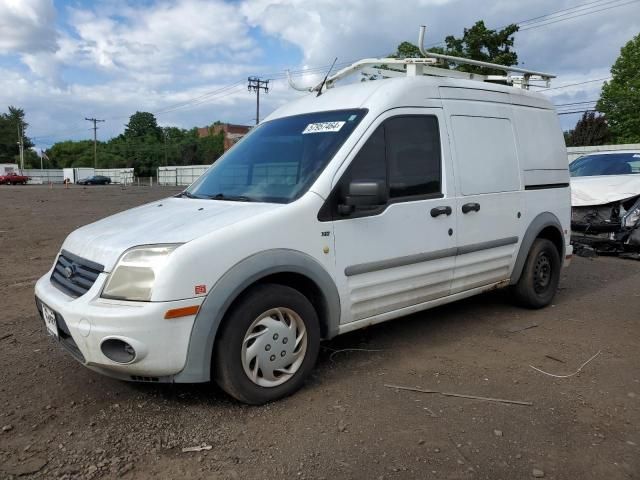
point(85, 322)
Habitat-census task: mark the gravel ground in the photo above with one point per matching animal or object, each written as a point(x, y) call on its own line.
point(60, 420)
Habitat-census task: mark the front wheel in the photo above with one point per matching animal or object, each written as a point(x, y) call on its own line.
point(540, 276)
point(268, 344)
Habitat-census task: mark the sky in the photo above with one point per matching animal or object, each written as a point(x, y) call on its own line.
point(188, 61)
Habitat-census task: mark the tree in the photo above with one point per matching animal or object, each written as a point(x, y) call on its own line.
point(620, 97)
point(10, 124)
point(144, 146)
point(143, 124)
point(73, 153)
point(591, 129)
point(477, 43)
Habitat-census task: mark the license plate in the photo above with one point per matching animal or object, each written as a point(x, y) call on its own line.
point(50, 320)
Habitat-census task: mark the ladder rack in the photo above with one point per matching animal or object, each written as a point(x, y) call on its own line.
point(395, 67)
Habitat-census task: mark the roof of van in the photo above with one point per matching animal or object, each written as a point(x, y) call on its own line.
point(381, 95)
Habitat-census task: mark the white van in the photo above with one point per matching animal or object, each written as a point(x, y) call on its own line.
point(344, 209)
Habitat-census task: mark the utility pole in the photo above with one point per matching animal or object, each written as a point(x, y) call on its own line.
point(95, 140)
point(255, 84)
point(164, 134)
point(21, 146)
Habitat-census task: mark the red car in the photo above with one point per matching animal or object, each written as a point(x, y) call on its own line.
point(14, 179)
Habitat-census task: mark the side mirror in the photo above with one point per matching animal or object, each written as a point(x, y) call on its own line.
point(362, 195)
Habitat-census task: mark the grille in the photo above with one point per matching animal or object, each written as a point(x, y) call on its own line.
point(74, 275)
point(138, 378)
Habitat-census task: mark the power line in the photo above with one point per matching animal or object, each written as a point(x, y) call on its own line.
point(60, 133)
point(574, 103)
point(198, 99)
point(577, 111)
point(576, 16)
point(574, 84)
point(568, 9)
point(555, 17)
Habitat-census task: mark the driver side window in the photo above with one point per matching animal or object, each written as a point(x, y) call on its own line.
point(403, 155)
point(369, 164)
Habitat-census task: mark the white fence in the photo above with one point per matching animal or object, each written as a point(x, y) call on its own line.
point(187, 174)
point(48, 175)
point(117, 175)
point(575, 152)
point(180, 175)
point(57, 175)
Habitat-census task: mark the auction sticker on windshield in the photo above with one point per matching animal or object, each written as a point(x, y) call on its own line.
point(50, 320)
point(323, 127)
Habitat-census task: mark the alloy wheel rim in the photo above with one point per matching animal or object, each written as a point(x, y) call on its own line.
point(274, 347)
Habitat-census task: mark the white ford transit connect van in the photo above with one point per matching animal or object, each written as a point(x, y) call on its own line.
point(341, 210)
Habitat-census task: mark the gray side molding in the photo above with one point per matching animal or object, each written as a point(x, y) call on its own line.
point(233, 283)
point(542, 221)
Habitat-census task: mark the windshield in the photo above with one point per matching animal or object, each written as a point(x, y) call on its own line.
point(605, 164)
point(279, 160)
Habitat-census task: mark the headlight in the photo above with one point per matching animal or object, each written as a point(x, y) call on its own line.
point(631, 218)
point(134, 274)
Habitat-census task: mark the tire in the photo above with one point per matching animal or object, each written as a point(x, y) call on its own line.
point(540, 276)
point(268, 308)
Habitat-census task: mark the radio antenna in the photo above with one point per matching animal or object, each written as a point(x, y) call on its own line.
point(326, 76)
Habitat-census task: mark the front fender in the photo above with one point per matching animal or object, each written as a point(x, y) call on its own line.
point(236, 280)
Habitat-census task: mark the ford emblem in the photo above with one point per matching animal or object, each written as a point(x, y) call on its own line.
point(69, 271)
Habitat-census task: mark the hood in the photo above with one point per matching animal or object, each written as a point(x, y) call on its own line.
point(603, 189)
point(172, 220)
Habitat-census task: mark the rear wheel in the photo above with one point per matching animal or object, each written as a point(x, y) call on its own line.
point(540, 276)
point(268, 344)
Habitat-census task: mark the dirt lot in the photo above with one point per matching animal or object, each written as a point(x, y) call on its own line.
point(60, 420)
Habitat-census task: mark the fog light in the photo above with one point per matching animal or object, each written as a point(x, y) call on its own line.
point(118, 350)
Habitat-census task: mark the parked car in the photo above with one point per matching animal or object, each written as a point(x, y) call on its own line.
point(14, 179)
point(95, 180)
point(605, 198)
point(364, 204)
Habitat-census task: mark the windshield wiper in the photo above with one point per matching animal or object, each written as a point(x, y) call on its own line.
point(187, 194)
point(233, 198)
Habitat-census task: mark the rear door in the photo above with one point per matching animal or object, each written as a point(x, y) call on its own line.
point(402, 253)
point(489, 193)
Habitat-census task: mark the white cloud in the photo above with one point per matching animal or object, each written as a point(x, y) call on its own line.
point(155, 37)
point(117, 56)
point(27, 26)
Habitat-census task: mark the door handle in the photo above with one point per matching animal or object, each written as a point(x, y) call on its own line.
point(470, 207)
point(437, 211)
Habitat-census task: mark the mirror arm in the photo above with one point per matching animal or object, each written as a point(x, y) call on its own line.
point(345, 210)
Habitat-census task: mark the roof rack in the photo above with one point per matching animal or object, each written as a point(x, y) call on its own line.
point(429, 65)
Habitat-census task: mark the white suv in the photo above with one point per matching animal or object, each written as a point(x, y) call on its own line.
point(364, 204)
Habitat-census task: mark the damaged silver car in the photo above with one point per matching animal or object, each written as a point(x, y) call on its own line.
point(605, 200)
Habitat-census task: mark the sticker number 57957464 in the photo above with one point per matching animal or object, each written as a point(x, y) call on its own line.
point(323, 127)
